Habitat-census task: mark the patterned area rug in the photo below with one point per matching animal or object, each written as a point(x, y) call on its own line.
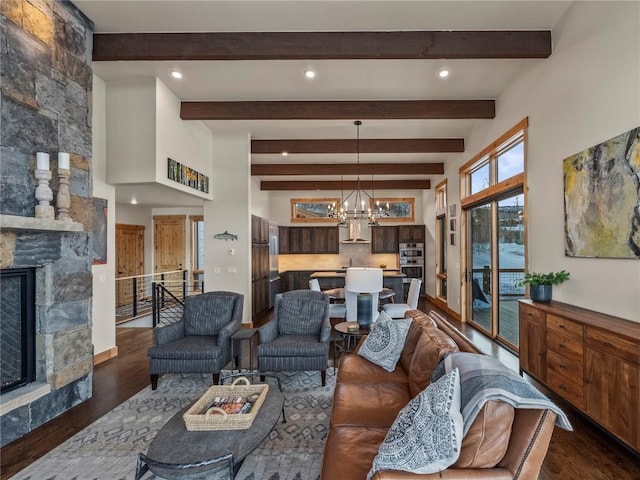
point(108, 448)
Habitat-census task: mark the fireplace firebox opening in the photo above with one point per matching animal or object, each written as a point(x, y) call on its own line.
point(17, 327)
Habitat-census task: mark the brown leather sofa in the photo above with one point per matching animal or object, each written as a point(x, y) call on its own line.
point(502, 443)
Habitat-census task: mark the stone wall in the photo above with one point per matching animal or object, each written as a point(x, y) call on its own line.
point(46, 106)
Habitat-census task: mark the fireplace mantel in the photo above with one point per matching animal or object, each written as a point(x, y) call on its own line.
point(13, 222)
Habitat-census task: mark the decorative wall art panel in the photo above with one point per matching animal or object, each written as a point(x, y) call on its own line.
point(602, 199)
point(180, 173)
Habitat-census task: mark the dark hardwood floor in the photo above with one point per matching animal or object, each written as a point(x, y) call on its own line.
point(586, 453)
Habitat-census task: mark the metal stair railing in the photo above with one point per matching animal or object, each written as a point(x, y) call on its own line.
point(168, 299)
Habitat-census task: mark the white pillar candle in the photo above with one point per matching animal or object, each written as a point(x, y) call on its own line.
point(63, 160)
point(42, 161)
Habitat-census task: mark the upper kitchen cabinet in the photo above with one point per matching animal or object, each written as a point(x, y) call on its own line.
point(384, 239)
point(283, 240)
point(259, 230)
point(411, 234)
point(312, 240)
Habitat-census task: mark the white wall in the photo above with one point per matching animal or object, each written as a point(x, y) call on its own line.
point(188, 142)
point(131, 131)
point(144, 129)
point(585, 93)
point(103, 310)
point(230, 211)
point(261, 202)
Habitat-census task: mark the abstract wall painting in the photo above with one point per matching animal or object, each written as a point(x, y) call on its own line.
point(602, 199)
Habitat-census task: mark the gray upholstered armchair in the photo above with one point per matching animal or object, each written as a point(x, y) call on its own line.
point(201, 341)
point(297, 336)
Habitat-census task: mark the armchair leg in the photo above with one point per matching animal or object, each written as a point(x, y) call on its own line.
point(323, 376)
point(154, 381)
point(216, 378)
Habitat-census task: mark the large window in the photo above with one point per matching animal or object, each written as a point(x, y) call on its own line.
point(494, 246)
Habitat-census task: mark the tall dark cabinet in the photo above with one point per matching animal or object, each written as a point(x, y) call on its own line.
point(259, 266)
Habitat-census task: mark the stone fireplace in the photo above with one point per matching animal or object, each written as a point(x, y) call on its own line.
point(46, 107)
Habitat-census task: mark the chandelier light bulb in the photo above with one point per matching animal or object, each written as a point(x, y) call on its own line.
point(176, 74)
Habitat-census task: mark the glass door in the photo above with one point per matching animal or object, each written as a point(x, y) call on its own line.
point(496, 260)
point(480, 265)
point(511, 262)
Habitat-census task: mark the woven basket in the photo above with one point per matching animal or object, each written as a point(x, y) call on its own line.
point(201, 416)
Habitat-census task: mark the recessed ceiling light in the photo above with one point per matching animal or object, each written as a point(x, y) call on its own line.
point(176, 74)
point(285, 153)
point(310, 73)
point(443, 73)
point(133, 201)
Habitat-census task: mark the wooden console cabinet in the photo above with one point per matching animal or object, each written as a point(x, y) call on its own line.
point(590, 359)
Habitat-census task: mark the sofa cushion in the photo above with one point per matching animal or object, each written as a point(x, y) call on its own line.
point(385, 342)
point(420, 322)
point(432, 346)
point(427, 435)
point(368, 405)
point(207, 313)
point(487, 440)
point(293, 346)
point(291, 309)
point(198, 347)
point(356, 369)
point(349, 452)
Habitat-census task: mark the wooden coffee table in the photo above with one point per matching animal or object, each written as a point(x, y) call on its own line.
point(177, 453)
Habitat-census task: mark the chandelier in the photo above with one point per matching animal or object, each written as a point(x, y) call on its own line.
point(362, 202)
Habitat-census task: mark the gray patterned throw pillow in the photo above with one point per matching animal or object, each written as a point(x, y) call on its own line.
point(426, 436)
point(383, 346)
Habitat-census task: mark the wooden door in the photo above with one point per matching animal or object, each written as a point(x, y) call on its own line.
point(129, 259)
point(168, 244)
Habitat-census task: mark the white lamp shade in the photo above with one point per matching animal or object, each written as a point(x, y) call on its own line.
point(363, 280)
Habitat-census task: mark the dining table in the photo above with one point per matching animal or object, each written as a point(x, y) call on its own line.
point(339, 294)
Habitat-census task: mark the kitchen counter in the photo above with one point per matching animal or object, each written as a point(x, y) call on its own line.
point(343, 273)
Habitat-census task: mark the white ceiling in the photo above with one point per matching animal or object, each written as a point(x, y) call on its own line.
point(336, 79)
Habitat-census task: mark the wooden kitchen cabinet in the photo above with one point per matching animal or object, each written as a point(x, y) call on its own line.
point(384, 239)
point(313, 240)
point(590, 359)
point(411, 234)
point(259, 266)
point(283, 240)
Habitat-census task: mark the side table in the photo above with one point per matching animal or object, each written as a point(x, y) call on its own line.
point(349, 338)
point(239, 337)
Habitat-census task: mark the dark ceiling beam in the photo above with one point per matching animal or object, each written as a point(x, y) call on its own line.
point(321, 45)
point(338, 110)
point(347, 185)
point(263, 169)
point(390, 145)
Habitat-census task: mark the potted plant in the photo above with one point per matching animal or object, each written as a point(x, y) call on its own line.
point(540, 284)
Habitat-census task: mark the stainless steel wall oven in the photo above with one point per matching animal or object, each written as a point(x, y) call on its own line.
point(412, 264)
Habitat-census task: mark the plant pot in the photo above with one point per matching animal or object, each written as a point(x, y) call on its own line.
point(541, 293)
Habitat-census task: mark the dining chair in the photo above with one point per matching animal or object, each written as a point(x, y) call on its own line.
point(362, 280)
point(336, 310)
point(398, 310)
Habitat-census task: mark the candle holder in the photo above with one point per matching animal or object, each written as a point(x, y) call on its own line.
point(44, 195)
point(63, 200)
